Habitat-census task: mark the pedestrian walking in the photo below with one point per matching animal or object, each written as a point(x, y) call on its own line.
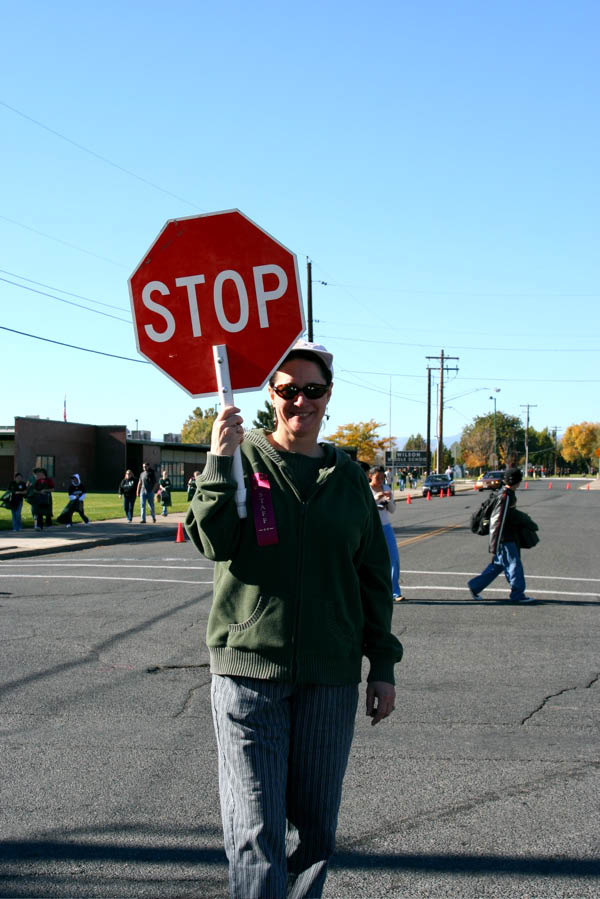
point(386, 506)
point(128, 490)
point(191, 486)
point(76, 497)
point(40, 497)
point(15, 494)
point(504, 543)
point(301, 592)
point(146, 488)
point(164, 492)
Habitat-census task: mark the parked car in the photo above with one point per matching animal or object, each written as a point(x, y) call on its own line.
point(491, 480)
point(435, 483)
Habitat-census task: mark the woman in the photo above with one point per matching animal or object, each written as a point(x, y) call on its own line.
point(302, 592)
point(384, 499)
point(127, 489)
point(164, 485)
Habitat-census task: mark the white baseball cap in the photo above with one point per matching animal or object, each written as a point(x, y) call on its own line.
point(317, 348)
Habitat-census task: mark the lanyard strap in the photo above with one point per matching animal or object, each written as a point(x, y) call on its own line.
point(262, 506)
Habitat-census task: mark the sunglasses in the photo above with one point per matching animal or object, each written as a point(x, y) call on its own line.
point(310, 391)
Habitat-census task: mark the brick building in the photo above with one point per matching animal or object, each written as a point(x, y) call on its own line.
point(100, 454)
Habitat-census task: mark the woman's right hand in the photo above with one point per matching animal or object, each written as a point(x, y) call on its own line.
point(227, 432)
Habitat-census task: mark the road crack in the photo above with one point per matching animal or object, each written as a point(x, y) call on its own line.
point(550, 696)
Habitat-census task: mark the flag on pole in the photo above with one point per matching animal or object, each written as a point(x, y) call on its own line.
point(65, 408)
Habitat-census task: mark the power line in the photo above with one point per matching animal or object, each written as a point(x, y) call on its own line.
point(72, 346)
point(69, 302)
point(65, 243)
point(454, 346)
point(77, 296)
point(105, 159)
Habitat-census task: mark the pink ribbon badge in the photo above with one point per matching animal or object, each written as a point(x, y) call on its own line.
point(262, 506)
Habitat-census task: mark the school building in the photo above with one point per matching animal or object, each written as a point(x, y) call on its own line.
point(99, 454)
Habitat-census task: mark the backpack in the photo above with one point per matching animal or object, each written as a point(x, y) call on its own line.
point(480, 519)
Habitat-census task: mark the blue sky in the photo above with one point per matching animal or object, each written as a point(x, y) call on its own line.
point(437, 161)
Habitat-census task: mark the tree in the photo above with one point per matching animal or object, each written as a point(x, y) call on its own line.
point(415, 442)
point(477, 440)
point(447, 459)
point(363, 437)
point(477, 443)
point(198, 426)
point(579, 442)
point(265, 418)
point(541, 448)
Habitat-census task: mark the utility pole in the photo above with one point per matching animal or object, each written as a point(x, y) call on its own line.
point(309, 299)
point(428, 420)
point(442, 368)
point(527, 406)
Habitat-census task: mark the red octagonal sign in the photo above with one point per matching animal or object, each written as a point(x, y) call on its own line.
point(216, 279)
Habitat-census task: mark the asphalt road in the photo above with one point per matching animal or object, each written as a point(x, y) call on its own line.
point(485, 781)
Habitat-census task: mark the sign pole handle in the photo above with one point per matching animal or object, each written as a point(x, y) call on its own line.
point(226, 399)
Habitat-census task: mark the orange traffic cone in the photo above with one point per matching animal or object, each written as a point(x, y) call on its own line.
point(526, 485)
point(180, 534)
point(429, 494)
point(568, 485)
point(408, 500)
point(550, 486)
point(588, 486)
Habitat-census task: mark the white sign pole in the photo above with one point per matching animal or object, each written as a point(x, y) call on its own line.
point(226, 399)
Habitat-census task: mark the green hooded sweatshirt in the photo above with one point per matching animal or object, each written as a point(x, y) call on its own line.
point(307, 608)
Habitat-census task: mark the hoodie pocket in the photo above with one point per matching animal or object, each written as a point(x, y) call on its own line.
point(241, 626)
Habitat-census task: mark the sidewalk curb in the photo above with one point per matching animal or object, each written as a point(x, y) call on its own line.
point(15, 553)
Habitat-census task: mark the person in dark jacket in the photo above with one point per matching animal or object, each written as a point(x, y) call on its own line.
point(76, 493)
point(41, 499)
point(191, 486)
point(164, 492)
point(504, 544)
point(146, 488)
point(127, 489)
point(302, 591)
point(17, 490)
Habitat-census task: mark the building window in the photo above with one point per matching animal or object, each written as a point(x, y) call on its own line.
point(174, 473)
point(46, 462)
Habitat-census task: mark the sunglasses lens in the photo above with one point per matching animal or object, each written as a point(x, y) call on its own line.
point(287, 391)
point(314, 391)
point(291, 391)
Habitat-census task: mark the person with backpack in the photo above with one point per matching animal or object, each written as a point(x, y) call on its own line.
point(499, 518)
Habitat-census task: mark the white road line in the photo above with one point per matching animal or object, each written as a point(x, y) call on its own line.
point(153, 565)
point(491, 590)
point(98, 577)
point(541, 577)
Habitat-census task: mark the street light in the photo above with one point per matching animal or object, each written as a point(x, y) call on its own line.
point(496, 390)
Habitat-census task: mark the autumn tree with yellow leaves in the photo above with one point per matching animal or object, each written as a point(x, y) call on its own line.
point(579, 443)
point(363, 437)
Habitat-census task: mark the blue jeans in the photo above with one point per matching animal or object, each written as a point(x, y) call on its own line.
point(128, 504)
point(16, 517)
point(392, 546)
point(147, 498)
point(283, 750)
point(508, 560)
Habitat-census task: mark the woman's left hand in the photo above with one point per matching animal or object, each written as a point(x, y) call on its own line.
point(381, 698)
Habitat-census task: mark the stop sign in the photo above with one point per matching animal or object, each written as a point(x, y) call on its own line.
point(216, 279)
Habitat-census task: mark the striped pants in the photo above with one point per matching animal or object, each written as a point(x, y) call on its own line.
point(283, 751)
